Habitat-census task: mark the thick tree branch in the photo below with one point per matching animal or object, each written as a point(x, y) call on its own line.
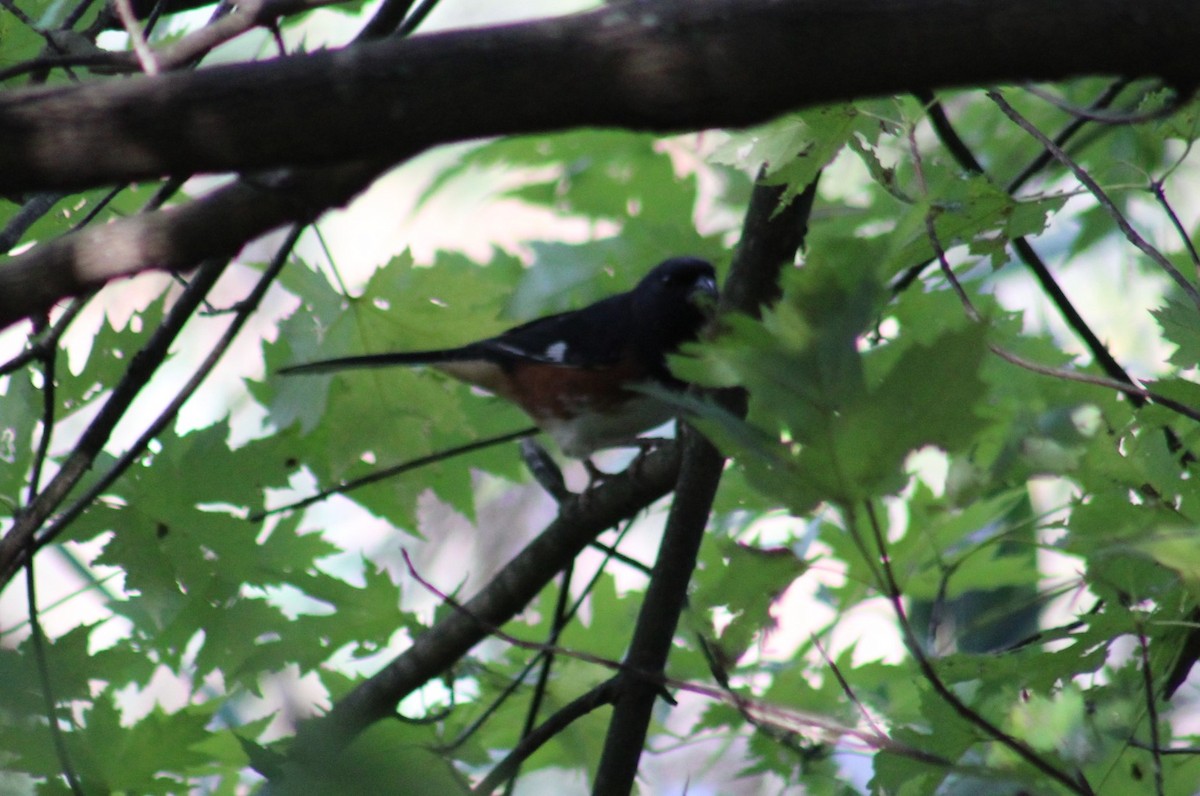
point(770, 238)
point(680, 65)
point(173, 239)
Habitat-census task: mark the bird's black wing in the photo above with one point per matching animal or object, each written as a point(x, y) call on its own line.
point(592, 337)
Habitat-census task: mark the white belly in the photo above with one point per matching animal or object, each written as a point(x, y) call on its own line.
point(580, 437)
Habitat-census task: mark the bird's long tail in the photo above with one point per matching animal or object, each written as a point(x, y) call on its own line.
point(383, 360)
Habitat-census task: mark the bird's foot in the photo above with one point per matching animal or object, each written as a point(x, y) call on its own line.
point(544, 470)
point(645, 446)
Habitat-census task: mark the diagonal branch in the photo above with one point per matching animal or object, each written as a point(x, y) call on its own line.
point(684, 66)
point(345, 487)
point(510, 591)
point(506, 769)
point(135, 450)
point(17, 538)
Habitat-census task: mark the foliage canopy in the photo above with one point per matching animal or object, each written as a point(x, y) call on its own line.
point(952, 549)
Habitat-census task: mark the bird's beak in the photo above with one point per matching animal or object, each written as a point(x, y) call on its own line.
point(704, 294)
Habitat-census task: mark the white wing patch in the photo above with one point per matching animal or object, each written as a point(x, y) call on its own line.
point(556, 352)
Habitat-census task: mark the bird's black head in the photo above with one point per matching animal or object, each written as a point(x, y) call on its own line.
point(678, 280)
point(674, 301)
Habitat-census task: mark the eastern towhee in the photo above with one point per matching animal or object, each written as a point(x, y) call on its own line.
point(570, 372)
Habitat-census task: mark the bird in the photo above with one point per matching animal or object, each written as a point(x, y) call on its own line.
point(574, 373)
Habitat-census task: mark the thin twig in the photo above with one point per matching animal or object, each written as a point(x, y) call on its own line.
point(1101, 197)
point(508, 768)
point(931, 232)
point(1170, 750)
point(1110, 117)
point(846, 689)
point(247, 15)
point(176, 55)
point(387, 17)
point(1053, 633)
point(1105, 100)
point(966, 159)
point(539, 688)
point(775, 715)
point(43, 666)
point(497, 632)
point(1156, 187)
point(1032, 168)
point(519, 679)
point(396, 469)
point(415, 18)
point(49, 360)
point(1131, 389)
point(1151, 711)
point(97, 60)
point(785, 736)
point(76, 14)
point(31, 210)
point(48, 339)
point(96, 583)
point(141, 47)
point(1077, 123)
point(612, 553)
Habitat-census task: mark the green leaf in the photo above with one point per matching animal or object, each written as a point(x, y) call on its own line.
point(131, 758)
point(1180, 323)
point(1177, 549)
point(794, 148)
point(387, 753)
point(20, 41)
point(20, 414)
point(745, 582)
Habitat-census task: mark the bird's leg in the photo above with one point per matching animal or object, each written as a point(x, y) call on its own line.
point(647, 444)
point(644, 445)
point(544, 470)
